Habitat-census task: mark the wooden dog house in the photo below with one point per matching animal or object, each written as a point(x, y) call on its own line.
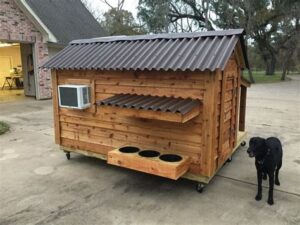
point(181, 95)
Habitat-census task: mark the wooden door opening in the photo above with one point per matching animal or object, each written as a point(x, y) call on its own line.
point(17, 70)
point(28, 67)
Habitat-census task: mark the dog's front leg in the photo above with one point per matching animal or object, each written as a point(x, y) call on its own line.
point(264, 175)
point(271, 186)
point(259, 188)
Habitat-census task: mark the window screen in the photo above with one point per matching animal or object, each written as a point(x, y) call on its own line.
point(68, 96)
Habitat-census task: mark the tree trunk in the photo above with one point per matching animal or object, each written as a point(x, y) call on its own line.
point(286, 61)
point(270, 63)
point(283, 75)
point(252, 80)
point(290, 50)
point(287, 56)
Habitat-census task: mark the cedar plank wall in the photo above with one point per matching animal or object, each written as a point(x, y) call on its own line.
point(98, 132)
point(229, 81)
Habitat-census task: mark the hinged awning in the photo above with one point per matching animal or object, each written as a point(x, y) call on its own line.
point(152, 107)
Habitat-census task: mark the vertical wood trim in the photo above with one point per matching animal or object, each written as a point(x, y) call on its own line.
point(93, 108)
point(242, 117)
point(208, 123)
point(222, 114)
point(233, 112)
point(93, 91)
point(214, 117)
point(237, 108)
point(55, 107)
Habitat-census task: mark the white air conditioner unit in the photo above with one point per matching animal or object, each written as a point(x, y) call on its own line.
point(74, 96)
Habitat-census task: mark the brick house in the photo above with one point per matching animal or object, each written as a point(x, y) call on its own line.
point(41, 28)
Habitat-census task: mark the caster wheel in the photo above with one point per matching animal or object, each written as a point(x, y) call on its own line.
point(229, 159)
point(200, 187)
point(68, 155)
point(243, 143)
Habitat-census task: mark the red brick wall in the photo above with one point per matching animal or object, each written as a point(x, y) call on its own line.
point(15, 26)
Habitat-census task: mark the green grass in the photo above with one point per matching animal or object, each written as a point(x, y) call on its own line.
point(260, 77)
point(4, 127)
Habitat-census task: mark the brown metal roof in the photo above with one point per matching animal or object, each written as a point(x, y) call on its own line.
point(183, 51)
point(154, 103)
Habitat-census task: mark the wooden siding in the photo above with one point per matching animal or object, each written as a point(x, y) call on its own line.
point(208, 139)
point(227, 105)
point(98, 131)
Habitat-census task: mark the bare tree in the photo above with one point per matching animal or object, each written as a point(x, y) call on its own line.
point(95, 12)
point(289, 49)
point(196, 13)
point(119, 6)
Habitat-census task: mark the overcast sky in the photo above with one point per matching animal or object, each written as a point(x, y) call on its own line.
point(129, 5)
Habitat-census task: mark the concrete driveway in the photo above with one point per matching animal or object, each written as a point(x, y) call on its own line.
point(39, 186)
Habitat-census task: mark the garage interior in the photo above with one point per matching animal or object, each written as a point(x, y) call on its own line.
point(17, 74)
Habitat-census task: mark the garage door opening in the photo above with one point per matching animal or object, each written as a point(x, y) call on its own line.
point(17, 73)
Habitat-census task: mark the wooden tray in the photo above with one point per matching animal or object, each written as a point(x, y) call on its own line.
point(172, 170)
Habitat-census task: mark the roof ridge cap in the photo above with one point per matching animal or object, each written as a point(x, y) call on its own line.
point(228, 32)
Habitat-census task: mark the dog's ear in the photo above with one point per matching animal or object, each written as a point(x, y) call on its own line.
point(261, 140)
point(253, 140)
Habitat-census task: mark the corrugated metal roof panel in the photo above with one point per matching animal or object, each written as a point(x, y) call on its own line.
point(154, 103)
point(186, 51)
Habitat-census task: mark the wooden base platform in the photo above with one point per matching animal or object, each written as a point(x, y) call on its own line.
point(174, 171)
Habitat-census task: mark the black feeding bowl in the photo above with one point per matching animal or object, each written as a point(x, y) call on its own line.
point(129, 149)
point(170, 158)
point(149, 153)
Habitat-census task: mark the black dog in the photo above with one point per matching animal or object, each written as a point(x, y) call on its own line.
point(268, 160)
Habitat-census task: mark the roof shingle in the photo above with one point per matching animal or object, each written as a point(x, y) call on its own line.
point(66, 19)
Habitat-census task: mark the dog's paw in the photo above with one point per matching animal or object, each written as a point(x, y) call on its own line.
point(277, 182)
point(258, 197)
point(270, 201)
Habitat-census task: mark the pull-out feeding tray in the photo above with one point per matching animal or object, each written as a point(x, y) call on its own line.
point(171, 166)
